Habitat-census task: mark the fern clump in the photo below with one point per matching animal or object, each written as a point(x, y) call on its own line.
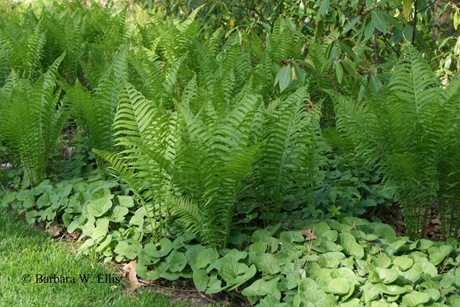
point(406, 132)
point(32, 118)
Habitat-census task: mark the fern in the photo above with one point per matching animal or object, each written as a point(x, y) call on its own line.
point(96, 110)
point(196, 166)
point(32, 119)
point(287, 159)
point(405, 134)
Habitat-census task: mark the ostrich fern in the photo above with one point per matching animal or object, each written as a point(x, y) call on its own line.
point(95, 110)
point(193, 165)
point(31, 119)
point(408, 132)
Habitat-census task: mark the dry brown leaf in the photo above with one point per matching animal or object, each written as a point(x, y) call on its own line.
point(55, 230)
point(130, 272)
point(308, 234)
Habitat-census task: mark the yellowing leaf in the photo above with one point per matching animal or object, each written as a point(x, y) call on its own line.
point(456, 20)
point(407, 8)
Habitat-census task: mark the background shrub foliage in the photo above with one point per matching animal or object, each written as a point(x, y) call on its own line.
point(238, 133)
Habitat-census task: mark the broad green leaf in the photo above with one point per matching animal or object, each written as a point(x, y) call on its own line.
point(352, 303)
point(228, 271)
point(138, 217)
point(8, 198)
point(283, 78)
point(370, 292)
point(118, 214)
point(351, 247)
point(291, 236)
point(177, 261)
point(170, 275)
point(104, 244)
point(433, 293)
point(378, 20)
point(102, 227)
point(126, 201)
point(415, 298)
point(165, 247)
point(338, 72)
point(351, 24)
point(262, 287)
point(407, 8)
point(424, 244)
point(339, 286)
point(387, 276)
point(200, 279)
point(43, 201)
point(456, 20)
point(128, 248)
point(244, 274)
point(205, 258)
point(369, 30)
point(438, 254)
point(214, 285)
point(99, 206)
point(24, 194)
point(320, 228)
point(75, 224)
point(394, 247)
point(391, 289)
point(324, 7)
point(383, 261)
point(258, 247)
point(403, 262)
point(267, 264)
point(425, 267)
point(31, 216)
point(412, 274)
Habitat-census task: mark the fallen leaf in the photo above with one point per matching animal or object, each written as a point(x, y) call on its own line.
point(130, 272)
point(309, 235)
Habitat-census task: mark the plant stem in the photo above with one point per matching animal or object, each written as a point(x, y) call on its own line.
point(414, 23)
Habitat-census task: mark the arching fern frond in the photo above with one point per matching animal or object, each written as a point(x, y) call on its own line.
point(32, 119)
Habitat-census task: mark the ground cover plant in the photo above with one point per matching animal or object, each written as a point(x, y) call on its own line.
point(240, 152)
